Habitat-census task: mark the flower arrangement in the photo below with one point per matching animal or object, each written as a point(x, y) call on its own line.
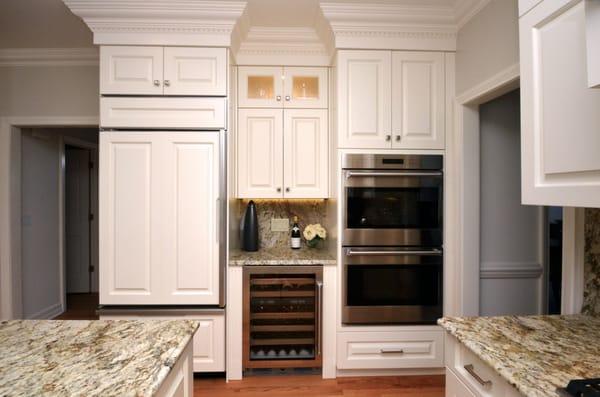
point(313, 234)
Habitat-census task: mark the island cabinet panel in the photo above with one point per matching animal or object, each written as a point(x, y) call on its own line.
point(559, 112)
point(159, 229)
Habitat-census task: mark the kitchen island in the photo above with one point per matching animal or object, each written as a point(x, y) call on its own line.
point(532, 355)
point(96, 358)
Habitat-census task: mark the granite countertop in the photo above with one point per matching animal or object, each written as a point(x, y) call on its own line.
point(281, 256)
point(89, 358)
point(536, 354)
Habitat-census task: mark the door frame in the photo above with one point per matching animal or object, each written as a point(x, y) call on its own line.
point(463, 189)
point(11, 304)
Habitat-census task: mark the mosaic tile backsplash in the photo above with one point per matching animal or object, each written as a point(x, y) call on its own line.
point(591, 293)
point(308, 212)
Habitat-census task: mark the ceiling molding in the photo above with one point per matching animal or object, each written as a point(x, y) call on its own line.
point(49, 57)
point(160, 22)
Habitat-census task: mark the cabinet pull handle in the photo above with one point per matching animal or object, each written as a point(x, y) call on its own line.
point(388, 138)
point(471, 370)
point(278, 190)
point(287, 189)
point(157, 83)
point(319, 315)
point(167, 83)
point(278, 97)
point(391, 351)
point(287, 98)
point(398, 137)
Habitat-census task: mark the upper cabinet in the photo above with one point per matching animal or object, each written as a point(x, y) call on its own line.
point(277, 87)
point(181, 71)
point(391, 99)
point(560, 117)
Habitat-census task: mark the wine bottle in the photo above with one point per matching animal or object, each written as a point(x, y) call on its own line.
point(295, 239)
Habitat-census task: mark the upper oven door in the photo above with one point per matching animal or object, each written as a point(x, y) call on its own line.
point(392, 208)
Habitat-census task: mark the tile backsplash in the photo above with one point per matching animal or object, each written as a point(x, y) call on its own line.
point(591, 294)
point(308, 212)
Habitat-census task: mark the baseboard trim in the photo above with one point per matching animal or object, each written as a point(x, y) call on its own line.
point(48, 313)
point(511, 270)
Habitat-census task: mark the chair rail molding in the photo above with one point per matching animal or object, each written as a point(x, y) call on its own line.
point(49, 57)
point(160, 22)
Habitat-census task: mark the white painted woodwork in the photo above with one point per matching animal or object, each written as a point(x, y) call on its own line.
point(305, 159)
point(190, 218)
point(158, 232)
point(293, 93)
point(251, 95)
point(136, 112)
point(364, 99)
point(390, 350)
point(559, 113)
point(180, 379)
point(234, 315)
point(454, 386)
point(260, 153)
point(592, 38)
point(526, 5)
point(131, 70)
point(418, 100)
point(195, 71)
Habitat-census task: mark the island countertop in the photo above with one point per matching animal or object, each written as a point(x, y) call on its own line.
point(281, 256)
point(89, 358)
point(536, 354)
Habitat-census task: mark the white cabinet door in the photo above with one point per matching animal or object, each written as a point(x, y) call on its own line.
point(195, 71)
point(364, 99)
point(260, 87)
point(209, 344)
point(260, 153)
point(305, 87)
point(454, 387)
point(305, 153)
point(131, 70)
point(418, 100)
point(560, 116)
point(130, 219)
point(190, 218)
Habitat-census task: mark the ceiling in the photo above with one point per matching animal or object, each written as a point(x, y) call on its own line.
point(49, 24)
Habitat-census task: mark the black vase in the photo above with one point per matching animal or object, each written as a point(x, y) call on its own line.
point(249, 228)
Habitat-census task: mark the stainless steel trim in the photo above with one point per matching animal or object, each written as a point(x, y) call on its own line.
point(217, 220)
point(471, 370)
point(392, 161)
point(391, 351)
point(222, 231)
point(351, 252)
point(154, 311)
point(349, 174)
point(319, 315)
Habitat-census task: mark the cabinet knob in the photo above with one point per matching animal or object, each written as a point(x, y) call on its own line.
point(398, 137)
point(388, 138)
point(287, 189)
point(278, 190)
point(287, 98)
point(156, 83)
point(278, 97)
point(167, 83)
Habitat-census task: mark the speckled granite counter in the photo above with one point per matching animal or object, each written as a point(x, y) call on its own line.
point(281, 256)
point(89, 358)
point(536, 354)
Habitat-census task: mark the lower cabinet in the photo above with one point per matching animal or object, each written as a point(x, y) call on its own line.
point(209, 341)
point(390, 350)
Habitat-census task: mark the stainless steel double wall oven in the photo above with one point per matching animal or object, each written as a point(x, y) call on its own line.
point(392, 237)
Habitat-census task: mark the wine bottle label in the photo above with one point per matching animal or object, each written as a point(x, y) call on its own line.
point(295, 242)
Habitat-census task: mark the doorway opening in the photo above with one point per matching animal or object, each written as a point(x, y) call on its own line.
point(59, 201)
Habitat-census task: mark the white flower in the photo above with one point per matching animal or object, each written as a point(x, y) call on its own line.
point(313, 231)
point(309, 233)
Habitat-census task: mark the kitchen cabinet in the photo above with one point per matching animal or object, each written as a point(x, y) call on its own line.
point(183, 71)
point(454, 387)
point(208, 342)
point(391, 99)
point(282, 153)
point(159, 237)
point(282, 87)
point(559, 112)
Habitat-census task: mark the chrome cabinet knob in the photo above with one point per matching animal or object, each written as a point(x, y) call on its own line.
point(156, 83)
point(287, 98)
point(278, 190)
point(167, 83)
point(398, 137)
point(388, 138)
point(278, 97)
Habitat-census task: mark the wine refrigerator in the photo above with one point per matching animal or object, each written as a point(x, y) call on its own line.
point(282, 316)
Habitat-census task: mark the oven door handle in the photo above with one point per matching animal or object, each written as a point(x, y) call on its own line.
point(350, 174)
point(351, 252)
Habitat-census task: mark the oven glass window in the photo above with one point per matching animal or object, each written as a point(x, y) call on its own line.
point(388, 285)
point(393, 208)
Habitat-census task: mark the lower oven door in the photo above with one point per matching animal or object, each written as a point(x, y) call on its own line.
point(392, 286)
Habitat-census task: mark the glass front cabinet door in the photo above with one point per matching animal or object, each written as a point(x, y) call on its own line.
point(276, 87)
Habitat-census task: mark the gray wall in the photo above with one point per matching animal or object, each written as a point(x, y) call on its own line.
point(487, 44)
point(510, 232)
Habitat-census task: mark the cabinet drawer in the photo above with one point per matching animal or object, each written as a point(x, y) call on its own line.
point(455, 387)
point(188, 113)
point(389, 350)
point(209, 340)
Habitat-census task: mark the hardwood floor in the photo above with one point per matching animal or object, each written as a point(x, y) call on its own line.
point(314, 386)
point(80, 307)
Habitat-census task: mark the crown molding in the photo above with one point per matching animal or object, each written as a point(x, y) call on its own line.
point(49, 57)
point(160, 22)
point(464, 10)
